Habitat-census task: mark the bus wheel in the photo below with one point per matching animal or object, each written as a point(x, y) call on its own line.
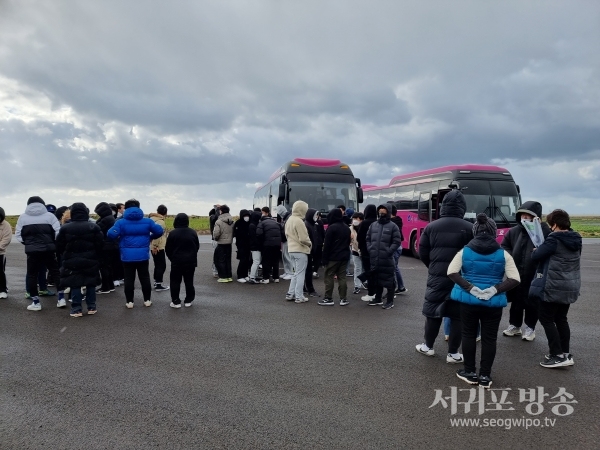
point(413, 245)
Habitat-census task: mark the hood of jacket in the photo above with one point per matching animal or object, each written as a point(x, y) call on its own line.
point(226, 218)
point(370, 212)
point(255, 217)
point(570, 239)
point(385, 219)
point(335, 215)
point(133, 213)
point(181, 221)
point(299, 209)
point(532, 207)
point(484, 244)
point(103, 210)
point(79, 213)
point(281, 211)
point(244, 213)
point(453, 205)
point(310, 216)
point(36, 209)
point(2, 215)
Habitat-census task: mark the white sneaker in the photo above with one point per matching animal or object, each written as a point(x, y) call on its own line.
point(35, 307)
point(129, 305)
point(264, 281)
point(147, 303)
point(3, 295)
point(187, 305)
point(422, 348)
point(455, 358)
point(176, 306)
point(116, 283)
point(512, 331)
point(301, 300)
point(528, 334)
point(67, 290)
point(242, 280)
point(286, 276)
point(61, 303)
point(276, 280)
point(367, 298)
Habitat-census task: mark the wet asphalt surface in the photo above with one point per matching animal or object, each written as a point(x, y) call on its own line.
point(243, 368)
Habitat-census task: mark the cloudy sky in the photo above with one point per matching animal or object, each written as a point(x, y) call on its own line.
point(189, 103)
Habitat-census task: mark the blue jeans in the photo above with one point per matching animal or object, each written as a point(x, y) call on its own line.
point(399, 280)
point(90, 298)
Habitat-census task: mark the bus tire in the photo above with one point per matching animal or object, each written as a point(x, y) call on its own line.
point(413, 245)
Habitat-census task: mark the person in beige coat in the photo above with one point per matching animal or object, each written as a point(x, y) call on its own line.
point(299, 246)
point(5, 237)
point(223, 236)
point(157, 248)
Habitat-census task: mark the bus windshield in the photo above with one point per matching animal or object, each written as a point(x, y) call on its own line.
point(498, 199)
point(323, 196)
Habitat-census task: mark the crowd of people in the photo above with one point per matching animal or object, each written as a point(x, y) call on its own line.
point(471, 277)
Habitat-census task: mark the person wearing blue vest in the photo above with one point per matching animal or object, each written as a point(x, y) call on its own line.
point(478, 271)
point(135, 232)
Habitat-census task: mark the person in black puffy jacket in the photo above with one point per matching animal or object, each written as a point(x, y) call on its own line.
point(370, 213)
point(336, 252)
point(318, 245)
point(383, 239)
point(80, 243)
point(110, 249)
point(182, 250)
point(269, 233)
point(439, 243)
point(397, 220)
point(309, 221)
point(241, 234)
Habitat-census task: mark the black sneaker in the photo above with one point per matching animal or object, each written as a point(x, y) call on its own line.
point(402, 290)
point(103, 291)
point(160, 287)
point(252, 281)
point(469, 377)
point(314, 294)
point(344, 302)
point(326, 302)
point(556, 361)
point(388, 305)
point(485, 381)
point(356, 291)
point(375, 302)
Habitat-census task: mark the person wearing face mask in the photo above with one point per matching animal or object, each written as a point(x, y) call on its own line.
point(288, 268)
point(520, 246)
point(269, 233)
point(357, 219)
point(310, 220)
point(241, 233)
point(319, 241)
point(383, 239)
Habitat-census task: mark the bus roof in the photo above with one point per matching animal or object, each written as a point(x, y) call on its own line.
point(315, 165)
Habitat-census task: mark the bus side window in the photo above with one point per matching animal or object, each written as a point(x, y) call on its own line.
point(404, 196)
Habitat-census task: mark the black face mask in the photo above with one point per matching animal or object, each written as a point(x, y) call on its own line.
point(382, 216)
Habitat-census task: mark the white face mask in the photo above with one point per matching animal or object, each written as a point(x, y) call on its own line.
point(523, 221)
point(356, 223)
point(316, 217)
point(246, 219)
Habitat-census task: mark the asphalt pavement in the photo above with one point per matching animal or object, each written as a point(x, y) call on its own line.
point(245, 369)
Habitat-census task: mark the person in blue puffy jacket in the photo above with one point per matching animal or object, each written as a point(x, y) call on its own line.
point(135, 232)
point(482, 272)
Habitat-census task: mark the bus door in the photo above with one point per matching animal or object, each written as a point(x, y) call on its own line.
point(436, 200)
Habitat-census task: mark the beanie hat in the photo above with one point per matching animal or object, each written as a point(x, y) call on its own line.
point(281, 210)
point(51, 208)
point(36, 199)
point(484, 225)
point(349, 212)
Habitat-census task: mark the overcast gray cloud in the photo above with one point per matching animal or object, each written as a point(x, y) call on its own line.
point(193, 102)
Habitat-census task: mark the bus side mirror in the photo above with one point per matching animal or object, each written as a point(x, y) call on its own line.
point(357, 181)
point(518, 189)
point(281, 194)
point(359, 195)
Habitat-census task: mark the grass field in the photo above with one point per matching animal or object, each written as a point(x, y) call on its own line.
point(587, 226)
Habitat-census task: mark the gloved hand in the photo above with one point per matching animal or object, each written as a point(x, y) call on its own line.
point(488, 293)
point(476, 292)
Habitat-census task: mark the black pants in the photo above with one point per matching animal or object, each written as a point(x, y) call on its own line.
point(523, 308)
point(389, 293)
point(245, 262)
point(308, 276)
point(316, 260)
point(117, 266)
point(372, 277)
point(553, 317)
point(223, 260)
point(106, 271)
point(3, 287)
point(141, 267)
point(34, 262)
point(489, 318)
point(160, 265)
point(336, 269)
point(187, 273)
point(270, 262)
point(432, 329)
